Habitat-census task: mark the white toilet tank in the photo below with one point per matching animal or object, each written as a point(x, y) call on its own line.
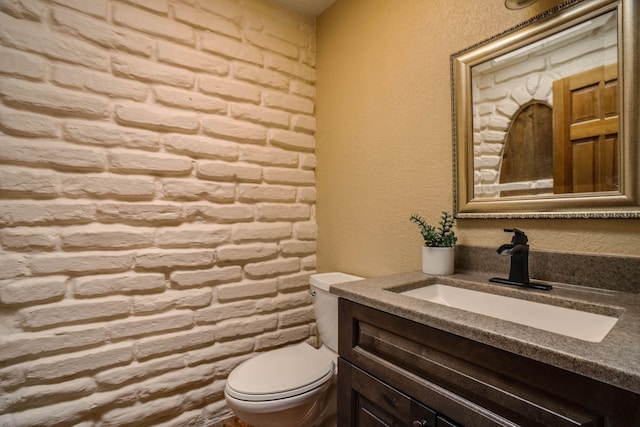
point(325, 305)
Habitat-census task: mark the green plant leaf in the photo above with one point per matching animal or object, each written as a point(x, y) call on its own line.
point(443, 236)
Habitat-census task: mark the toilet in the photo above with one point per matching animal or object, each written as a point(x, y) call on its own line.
point(293, 386)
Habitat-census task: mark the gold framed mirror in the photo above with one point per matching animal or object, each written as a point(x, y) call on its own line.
point(546, 116)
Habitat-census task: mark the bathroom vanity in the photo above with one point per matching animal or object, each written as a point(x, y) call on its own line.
point(406, 361)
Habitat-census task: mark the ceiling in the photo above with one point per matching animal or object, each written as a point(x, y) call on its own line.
point(309, 8)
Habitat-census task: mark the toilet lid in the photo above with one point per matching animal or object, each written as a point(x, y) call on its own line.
point(281, 373)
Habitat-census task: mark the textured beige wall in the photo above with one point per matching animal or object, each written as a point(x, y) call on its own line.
point(157, 198)
point(384, 135)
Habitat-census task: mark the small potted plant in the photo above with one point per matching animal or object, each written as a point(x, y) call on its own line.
point(437, 252)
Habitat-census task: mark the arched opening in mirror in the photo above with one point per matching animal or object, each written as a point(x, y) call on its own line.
point(527, 158)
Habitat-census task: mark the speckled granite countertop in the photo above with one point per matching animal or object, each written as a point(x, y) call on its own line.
point(615, 360)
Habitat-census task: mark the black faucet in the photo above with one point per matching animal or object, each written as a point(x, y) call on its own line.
point(518, 250)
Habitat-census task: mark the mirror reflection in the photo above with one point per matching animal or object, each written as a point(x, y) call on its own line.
point(545, 115)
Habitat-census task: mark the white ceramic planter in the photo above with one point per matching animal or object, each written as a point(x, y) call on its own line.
point(437, 261)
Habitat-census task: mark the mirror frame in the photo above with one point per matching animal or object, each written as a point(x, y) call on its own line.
point(624, 203)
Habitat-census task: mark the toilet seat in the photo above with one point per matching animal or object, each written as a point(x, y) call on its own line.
point(282, 373)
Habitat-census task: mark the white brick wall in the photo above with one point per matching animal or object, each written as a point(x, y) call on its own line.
point(157, 194)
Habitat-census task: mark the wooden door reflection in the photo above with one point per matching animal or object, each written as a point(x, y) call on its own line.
point(585, 131)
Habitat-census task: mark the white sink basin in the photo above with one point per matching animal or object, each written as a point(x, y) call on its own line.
point(564, 321)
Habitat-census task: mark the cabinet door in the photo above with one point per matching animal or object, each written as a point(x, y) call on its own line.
point(364, 401)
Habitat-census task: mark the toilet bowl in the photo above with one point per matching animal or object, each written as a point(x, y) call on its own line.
point(285, 387)
point(293, 386)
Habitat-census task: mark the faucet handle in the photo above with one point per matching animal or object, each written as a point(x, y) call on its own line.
point(519, 238)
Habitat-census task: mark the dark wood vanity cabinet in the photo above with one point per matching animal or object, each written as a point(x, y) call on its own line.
point(396, 372)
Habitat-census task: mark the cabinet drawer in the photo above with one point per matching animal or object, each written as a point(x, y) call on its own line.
point(480, 384)
point(365, 401)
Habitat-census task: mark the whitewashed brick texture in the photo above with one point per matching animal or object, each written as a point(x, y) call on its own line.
point(157, 192)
